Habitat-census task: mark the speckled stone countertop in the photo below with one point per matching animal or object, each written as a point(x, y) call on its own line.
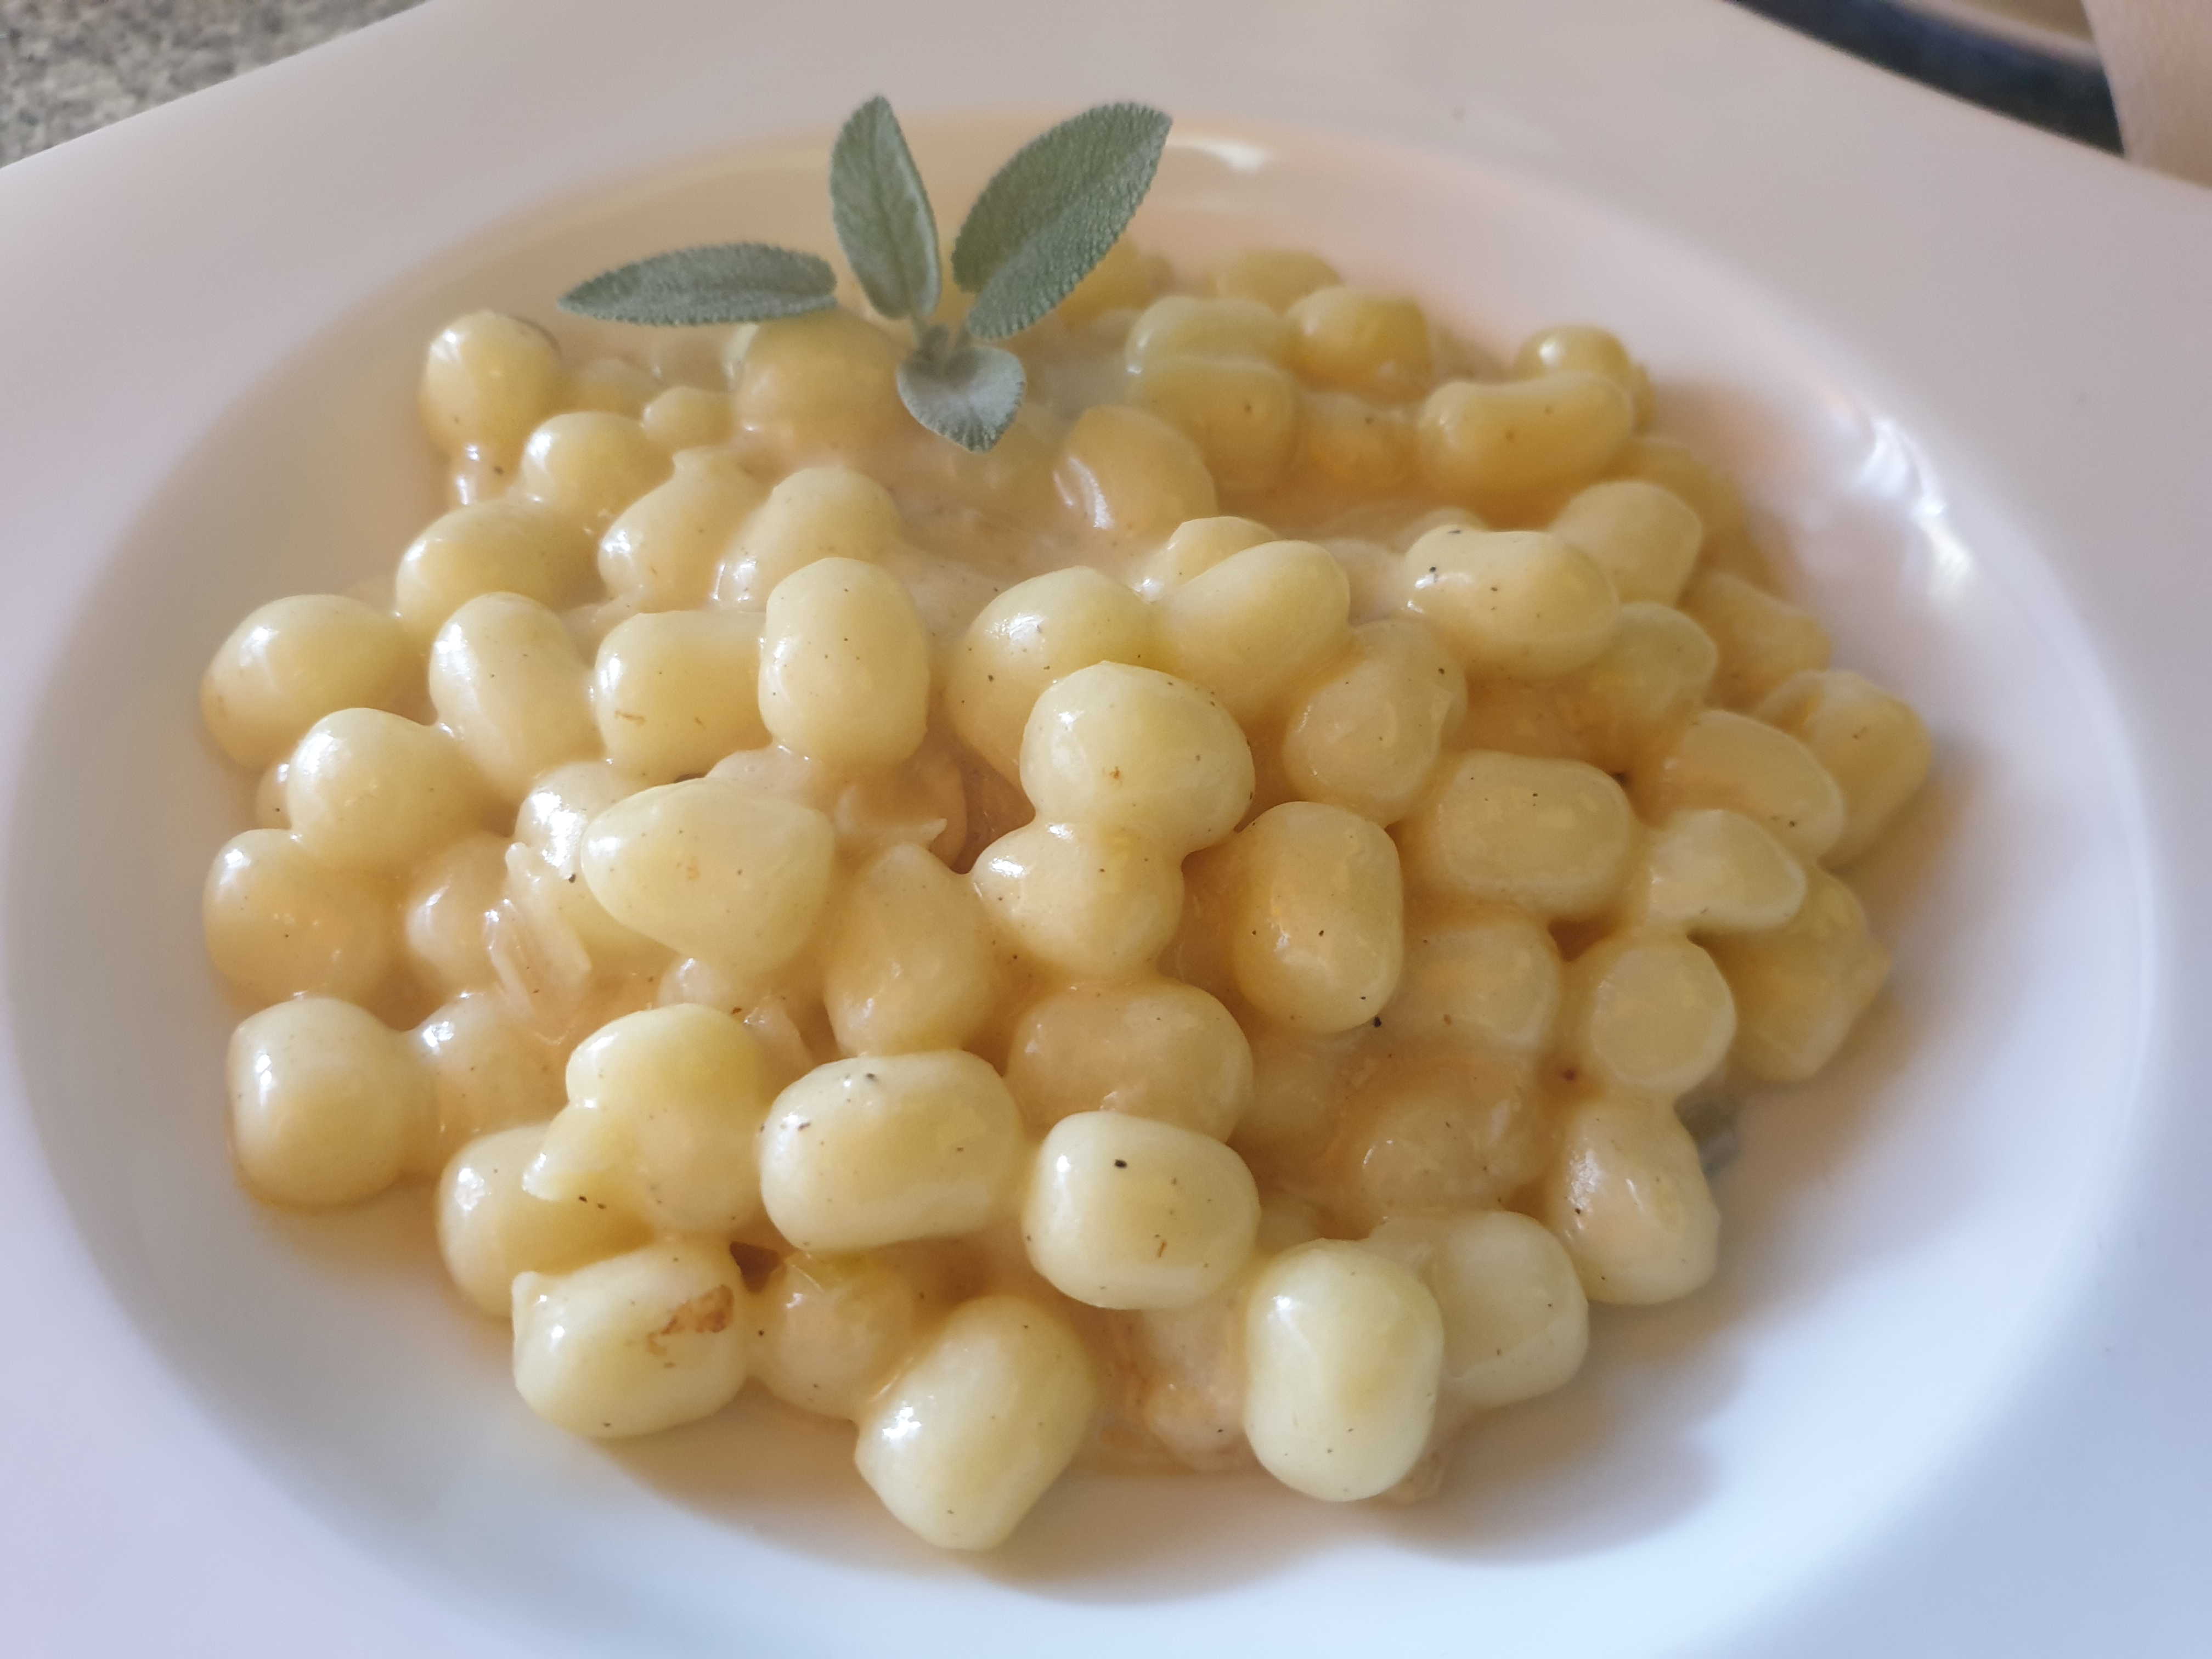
point(69, 66)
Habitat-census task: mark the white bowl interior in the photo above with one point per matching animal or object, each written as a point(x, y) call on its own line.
point(1896, 1234)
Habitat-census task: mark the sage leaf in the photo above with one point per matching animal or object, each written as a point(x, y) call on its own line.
point(883, 215)
point(724, 282)
point(1049, 215)
point(1040, 227)
point(970, 394)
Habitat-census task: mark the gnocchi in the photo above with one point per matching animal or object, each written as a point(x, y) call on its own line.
point(1183, 935)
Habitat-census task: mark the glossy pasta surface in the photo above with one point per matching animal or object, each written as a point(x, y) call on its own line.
point(1180, 941)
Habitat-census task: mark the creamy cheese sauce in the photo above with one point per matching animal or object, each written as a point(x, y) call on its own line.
point(1179, 939)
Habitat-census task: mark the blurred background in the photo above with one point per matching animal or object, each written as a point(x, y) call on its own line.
point(69, 66)
point(2031, 59)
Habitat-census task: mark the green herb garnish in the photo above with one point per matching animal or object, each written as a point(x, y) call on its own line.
point(731, 283)
point(1043, 222)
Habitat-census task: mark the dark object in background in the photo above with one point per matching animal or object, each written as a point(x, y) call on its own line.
point(2070, 99)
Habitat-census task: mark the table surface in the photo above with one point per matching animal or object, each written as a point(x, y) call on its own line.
point(68, 67)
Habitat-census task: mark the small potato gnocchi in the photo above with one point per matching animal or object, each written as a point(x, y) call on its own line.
point(860, 1153)
point(1512, 604)
point(1152, 1047)
point(1517, 1322)
point(1126, 1211)
point(672, 691)
point(1085, 901)
point(296, 660)
point(711, 869)
point(1117, 744)
point(1317, 923)
point(1254, 625)
point(491, 1228)
point(664, 1108)
point(1627, 1197)
point(327, 1103)
point(832, 1329)
point(634, 1343)
point(499, 545)
point(1343, 1353)
point(1194, 936)
point(1553, 836)
point(982, 1420)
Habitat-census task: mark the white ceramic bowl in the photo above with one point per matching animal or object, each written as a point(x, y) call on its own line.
point(1902, 1239)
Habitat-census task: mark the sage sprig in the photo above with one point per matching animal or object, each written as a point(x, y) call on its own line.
point(882, 212)
point(1049, 215)
point(729, 282)
point(1041, 226)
